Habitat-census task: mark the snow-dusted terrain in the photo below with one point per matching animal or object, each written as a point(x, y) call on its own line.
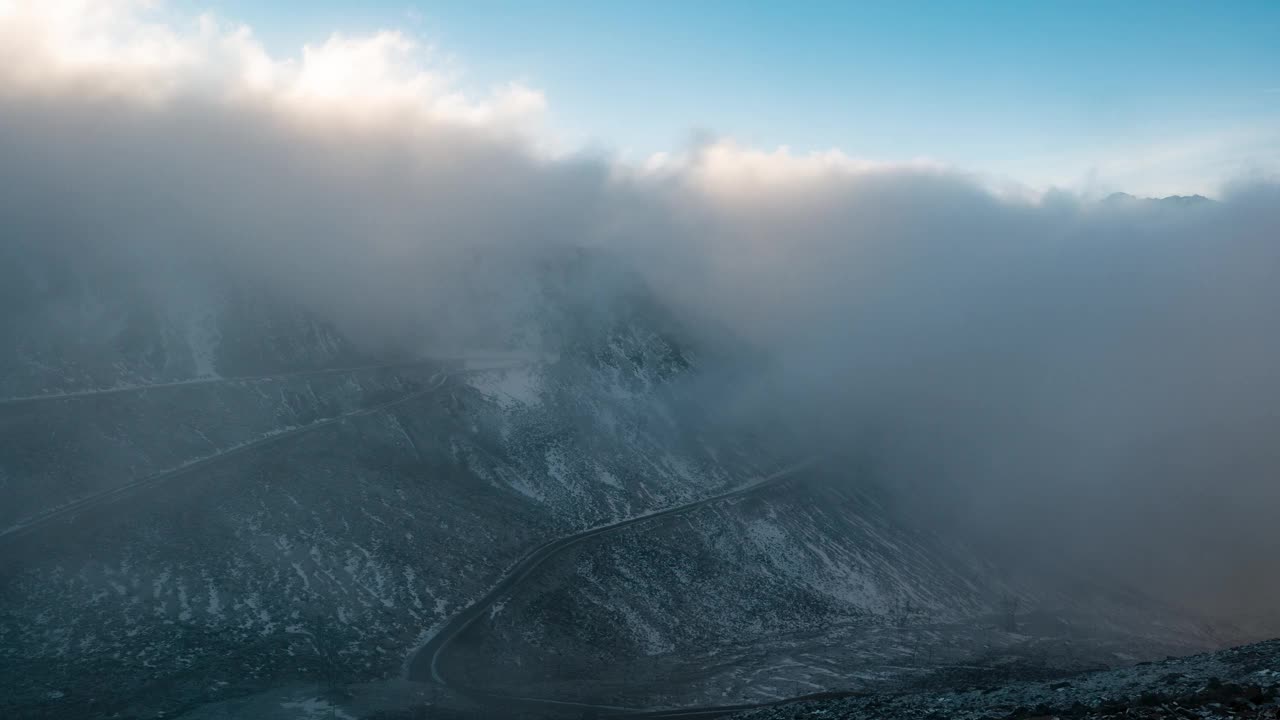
point(214, 500)
point(310, 525)
point(1241, 682)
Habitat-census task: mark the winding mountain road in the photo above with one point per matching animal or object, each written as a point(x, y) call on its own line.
point(427, 664)
point(500, 359)
point(61, 516)
point(195, 382)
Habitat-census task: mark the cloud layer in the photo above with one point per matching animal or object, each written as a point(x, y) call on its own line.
point(1092, 383)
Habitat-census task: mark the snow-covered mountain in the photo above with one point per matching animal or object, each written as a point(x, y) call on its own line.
point(212, 490)
point(1123, 198)
point(201, 502)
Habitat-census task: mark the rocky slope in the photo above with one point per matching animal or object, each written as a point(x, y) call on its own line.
point(274, 515)
point(1241, 682)
point(720, 602)
point(813, 585)
point(214, 492)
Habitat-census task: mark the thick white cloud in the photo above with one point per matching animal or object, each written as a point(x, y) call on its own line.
point(1082, 380)
point(124, 48)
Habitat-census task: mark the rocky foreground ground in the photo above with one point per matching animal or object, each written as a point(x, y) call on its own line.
point(1242, 682)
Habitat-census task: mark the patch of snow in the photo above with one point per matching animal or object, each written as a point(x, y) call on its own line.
point(608, 478)
point(184, 602)
point(511, 388)
point(297, 568)
point(316, 708)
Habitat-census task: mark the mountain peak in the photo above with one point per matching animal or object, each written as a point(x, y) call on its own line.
point(1172, 200)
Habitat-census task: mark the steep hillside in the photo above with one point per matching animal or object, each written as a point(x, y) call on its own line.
point(721, 602)
point(811, 585)
point(215, 491)
point(256, 524)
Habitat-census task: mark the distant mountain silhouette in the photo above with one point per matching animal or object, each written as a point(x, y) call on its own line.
point(1176, 200)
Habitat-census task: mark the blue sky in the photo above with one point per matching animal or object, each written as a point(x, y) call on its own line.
point(1162, 93)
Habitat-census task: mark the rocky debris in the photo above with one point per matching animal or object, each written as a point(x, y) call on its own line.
point(1241, 682)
